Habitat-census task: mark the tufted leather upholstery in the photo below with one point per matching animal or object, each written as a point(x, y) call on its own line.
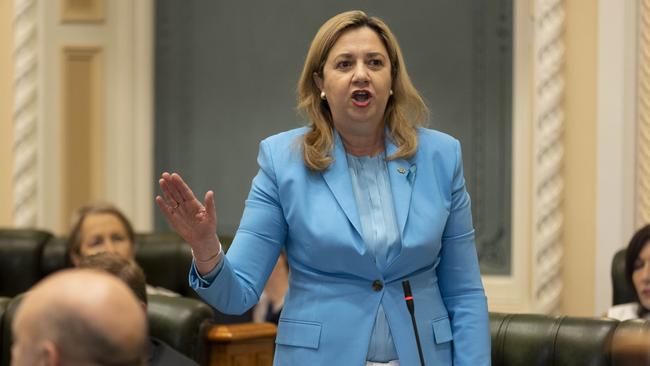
point(20, 259)
point(165, 259)
point(5, 331)
point(622, 291)
point(534, 339)
point(33, 254)
point(175, 320)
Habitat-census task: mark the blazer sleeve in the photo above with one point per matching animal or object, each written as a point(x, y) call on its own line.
point(460, 277)
point(255, 248)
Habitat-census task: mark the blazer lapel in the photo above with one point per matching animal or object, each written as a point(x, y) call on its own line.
point(402, 177)
point(338, 180)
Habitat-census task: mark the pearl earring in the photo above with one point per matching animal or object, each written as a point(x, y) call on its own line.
point(322, 95)
point(390, 92)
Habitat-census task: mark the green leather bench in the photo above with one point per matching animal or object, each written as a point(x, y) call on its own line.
point(537, 340)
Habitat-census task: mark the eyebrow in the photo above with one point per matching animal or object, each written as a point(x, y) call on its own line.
point(350, 55)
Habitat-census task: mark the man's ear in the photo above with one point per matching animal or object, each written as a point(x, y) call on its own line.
point(49, 354)
point(318, 80)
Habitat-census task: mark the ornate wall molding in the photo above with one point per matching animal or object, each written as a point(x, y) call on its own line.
point(25, 111)
point(81, 126)
point(88, 11)
point(643, 123)
point(548, 155)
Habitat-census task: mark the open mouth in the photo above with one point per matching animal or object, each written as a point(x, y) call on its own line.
point(361, 96)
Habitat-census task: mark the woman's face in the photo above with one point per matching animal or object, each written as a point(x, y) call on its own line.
point(104, 232)
point(357, 80)
point(641, 276)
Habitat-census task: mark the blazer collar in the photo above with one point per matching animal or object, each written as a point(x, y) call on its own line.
point(338, 180)
point(401, 173)
point(402, 178)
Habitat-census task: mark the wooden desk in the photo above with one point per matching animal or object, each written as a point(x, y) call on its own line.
point(246, 344)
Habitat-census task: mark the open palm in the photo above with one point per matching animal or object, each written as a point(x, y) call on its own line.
point(194, 221)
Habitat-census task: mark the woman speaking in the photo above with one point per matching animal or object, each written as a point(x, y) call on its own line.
point(360, 199)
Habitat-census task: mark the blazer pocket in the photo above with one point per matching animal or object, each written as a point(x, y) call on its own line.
point(298, 333)
point(442, 330)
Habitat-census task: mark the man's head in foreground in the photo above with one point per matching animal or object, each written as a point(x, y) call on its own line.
point(79, 317)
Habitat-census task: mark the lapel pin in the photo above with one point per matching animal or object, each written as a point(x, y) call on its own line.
point(401, 170)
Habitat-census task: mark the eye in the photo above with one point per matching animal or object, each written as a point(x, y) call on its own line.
point(376, 63)
point(638, 264)
point(343, 64)
point(96, 241)
point(118, 237)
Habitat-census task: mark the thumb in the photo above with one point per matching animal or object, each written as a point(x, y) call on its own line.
point(209, 205)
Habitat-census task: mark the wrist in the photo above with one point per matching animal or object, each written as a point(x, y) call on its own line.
point(204, 259)
point(206, 250)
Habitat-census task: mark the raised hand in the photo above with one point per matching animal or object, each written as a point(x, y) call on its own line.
point(194, 221)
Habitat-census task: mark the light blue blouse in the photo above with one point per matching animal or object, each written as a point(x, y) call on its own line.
point(371, 186)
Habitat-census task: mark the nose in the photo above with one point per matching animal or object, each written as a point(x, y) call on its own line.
point(110, 246)
point(360, 75)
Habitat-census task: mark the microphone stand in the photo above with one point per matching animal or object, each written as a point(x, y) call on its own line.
point(408, 297)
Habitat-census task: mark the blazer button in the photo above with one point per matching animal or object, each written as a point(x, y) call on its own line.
point(377, 286)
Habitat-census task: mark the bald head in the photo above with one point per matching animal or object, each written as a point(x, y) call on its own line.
point(77, 317)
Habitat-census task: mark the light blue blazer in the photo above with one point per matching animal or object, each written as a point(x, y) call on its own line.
point(335, 288)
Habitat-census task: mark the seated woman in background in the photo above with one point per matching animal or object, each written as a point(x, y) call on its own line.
point(637, 273)
point(99, 228)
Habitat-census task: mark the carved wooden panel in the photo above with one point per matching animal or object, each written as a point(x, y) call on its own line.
point(81, 107)
point(82, 11)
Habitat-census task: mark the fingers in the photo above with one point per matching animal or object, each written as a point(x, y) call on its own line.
point(183, 189)
point(170, 190)
point(209, 205)
point(166, 209)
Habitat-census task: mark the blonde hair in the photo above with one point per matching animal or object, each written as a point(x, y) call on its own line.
point(405, 110)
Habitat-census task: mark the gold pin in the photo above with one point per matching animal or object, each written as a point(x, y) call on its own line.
point(401, 170)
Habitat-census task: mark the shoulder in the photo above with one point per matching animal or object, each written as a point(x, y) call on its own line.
point(433, 140)
point(283, 146)
point(286, 137)
point(439, 148)
point(429, 134)
point(624, 311)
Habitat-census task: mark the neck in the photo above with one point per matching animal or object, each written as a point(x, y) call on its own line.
point(362, 143)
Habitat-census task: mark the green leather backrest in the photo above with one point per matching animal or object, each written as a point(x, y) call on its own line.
point(622, 290)
point(5, 332)
point(182, 323)
point(20, 259)
point(165, 259)
point(540, 340)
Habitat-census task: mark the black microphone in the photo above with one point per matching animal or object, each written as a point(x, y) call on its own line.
point(408, 297)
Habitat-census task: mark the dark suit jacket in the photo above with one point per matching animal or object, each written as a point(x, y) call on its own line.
point(161, 354)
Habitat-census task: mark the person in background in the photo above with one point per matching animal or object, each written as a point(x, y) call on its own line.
point(64, 321)
point(272, 299)
point(361, 199)
point(98, 228)
point(637, 273)
point(160, 353)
